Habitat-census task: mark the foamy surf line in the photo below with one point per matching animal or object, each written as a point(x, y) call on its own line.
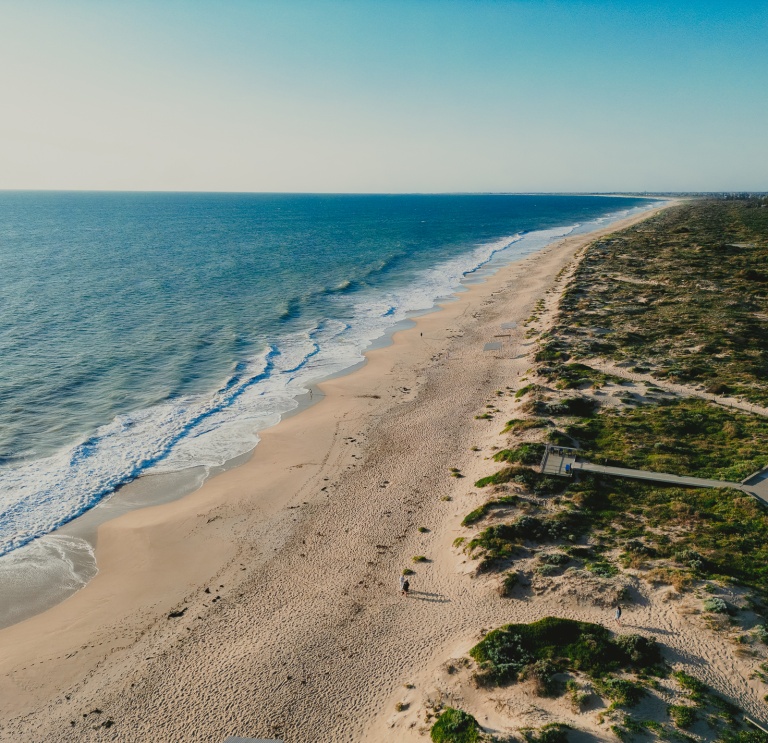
point(40, 496)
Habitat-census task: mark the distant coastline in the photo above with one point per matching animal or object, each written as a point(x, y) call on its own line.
point(226, 533)
point(62, 563)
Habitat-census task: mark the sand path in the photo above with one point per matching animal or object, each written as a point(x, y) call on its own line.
point(681, 390)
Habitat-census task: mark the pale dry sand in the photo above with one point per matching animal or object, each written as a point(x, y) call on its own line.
point(286, 568)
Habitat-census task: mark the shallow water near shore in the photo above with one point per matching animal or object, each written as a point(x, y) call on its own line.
point(237, 423)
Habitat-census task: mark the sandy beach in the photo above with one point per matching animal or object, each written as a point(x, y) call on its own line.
point(266, 603)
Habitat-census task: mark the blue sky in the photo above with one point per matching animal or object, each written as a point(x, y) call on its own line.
point(357, 96)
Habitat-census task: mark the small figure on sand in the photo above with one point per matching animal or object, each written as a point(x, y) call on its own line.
point(404, 585)
point(618, 614)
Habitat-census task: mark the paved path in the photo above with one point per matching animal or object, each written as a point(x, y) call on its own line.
point(683, 481)
point(562, 461)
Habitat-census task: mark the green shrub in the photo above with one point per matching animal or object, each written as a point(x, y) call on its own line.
point(602, 569)
point(508, 583)
point(523, 454)
point(581, 407)
point(543, 673)
point(640, 651)
point(500, 541)
point(524, 424)
point(482, 511)
point(697, 690)
point(554, 732)
point(540, 484)
point(571, 376)
point(581, 646)
point(716, 605)
point(558, 438)
point(554, 558)
point(551, 352)
point(681, 715)
point(743, 736)
point(455, 726)
point(621, 692)
point(525, 390)
point(580, 553)
point(547, 570)
point(577, 696)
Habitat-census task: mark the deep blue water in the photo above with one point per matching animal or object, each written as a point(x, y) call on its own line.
point(161, 331)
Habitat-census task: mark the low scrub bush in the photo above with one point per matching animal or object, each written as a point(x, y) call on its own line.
point(539, 484)
point(682, 715)
point(455, 726)
point(602, 569)
point(581, 407)
point(578, 696)
point(523, 454)
point(743, 736)
point(716, 605)
point(547, 570)
point(555, 732)
point(572, 376)
point(518, 425)
point(479, 513)
point(523, 391)
point(697, 690)
point(621, 692)
point(500, 541)
point(554, 558)
point(543, 674)
point(578, 646)
point(508, 583)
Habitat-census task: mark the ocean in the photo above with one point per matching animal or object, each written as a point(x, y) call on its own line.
point(154, 332)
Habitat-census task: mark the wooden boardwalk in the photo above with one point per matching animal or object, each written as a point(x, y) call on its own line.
point(565, 462)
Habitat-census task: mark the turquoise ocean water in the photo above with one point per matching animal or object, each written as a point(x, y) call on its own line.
point(157, 332)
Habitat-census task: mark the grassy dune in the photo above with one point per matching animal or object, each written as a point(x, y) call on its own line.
point(683, 297)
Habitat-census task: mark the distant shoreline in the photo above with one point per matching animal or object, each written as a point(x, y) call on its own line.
point(72, 544)
point(157, 558)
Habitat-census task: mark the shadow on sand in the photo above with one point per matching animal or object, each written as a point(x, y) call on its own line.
point(435, 598)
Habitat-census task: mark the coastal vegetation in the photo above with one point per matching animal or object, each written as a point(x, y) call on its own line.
point(682, 296)
point(553, 645)
point(665, 534)
point(620, 669)
point(455, 726)
point(677, 307)
point(554, 732)
point(679, 436)
point(688, 533)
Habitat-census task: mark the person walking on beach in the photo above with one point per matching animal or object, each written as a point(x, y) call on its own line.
point(404, 585)
point(618, 615)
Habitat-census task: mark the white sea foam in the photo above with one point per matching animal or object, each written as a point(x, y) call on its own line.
point(209, 430)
